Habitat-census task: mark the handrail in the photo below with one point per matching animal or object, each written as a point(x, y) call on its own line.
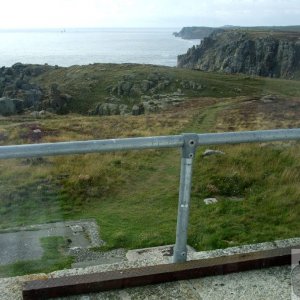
point(91, 146)
point(187, 142)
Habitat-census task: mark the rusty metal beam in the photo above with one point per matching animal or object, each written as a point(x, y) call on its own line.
point(81, 284)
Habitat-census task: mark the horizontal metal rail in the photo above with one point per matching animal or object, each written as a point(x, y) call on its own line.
point(187, 142)
point(257, 136)
point(93, 146)
point(175, 141)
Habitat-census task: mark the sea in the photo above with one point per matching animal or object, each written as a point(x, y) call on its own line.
point(66, 47)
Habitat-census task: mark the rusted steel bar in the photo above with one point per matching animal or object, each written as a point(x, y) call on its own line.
point(81, 284)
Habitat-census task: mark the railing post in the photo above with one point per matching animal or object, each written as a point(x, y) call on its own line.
point(188, 153)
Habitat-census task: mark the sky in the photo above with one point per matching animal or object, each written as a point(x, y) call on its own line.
point(146, 13)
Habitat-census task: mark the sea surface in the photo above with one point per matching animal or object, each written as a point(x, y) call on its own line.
point(66, 47)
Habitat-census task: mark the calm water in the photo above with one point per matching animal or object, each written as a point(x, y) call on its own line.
point(83, 46)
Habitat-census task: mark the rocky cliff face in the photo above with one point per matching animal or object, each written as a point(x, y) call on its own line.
point(19, 93)
point(273, 54)
point(190, 33)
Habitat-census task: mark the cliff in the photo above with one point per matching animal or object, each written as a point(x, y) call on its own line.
point(200, 32)
point(193, 33)
point(253, 52)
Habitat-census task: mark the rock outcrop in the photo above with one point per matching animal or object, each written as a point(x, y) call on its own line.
point(133, 86)
point(272, 54)
point(17, 90)
point(10, 106)
point(194, 33)
point(147, 104)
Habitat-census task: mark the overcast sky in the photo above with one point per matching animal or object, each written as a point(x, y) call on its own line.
point(146, 13)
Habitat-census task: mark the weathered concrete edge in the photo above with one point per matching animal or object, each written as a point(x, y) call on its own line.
point(134, 277)
point(11, 288)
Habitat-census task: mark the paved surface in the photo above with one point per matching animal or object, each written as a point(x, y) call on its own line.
point(24, 243)
point(267, 284)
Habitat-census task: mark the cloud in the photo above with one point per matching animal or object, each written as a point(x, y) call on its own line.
point(141, 13)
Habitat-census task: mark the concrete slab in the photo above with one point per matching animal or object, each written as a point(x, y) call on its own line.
point(17, 244)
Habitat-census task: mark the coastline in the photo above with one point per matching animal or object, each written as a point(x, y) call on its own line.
point(83, 46)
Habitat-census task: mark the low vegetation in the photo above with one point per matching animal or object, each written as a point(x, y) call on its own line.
point(133, 195)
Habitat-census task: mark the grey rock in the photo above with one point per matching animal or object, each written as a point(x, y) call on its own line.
point(57, 100)
point(188, 84)
point(137, 110)
point(208, 201)
point(155, 77)
point(107, 109)
point(27, 86)
point(161, 86)
point(18, 67)
point(146, 85)
point(123, 108)
point(150, 107)
point(31, 97)
point(35, 114)
point(269, 98)
point(209, 152)
point(123, 88)
point(10, 106)
point(37, 134)
point(146, 98)
point(112, 99)
point(135, 91)
point(39, 114)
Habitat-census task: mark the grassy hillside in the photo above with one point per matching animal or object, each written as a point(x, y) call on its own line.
point(133, 195)
point(92, 84)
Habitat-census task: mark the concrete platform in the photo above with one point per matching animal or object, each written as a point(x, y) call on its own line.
point(272, 283)
point(23, 243)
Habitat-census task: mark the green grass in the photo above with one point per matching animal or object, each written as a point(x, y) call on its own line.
point(266, 183)
point(133, 195)
point(88, 85)
point(52, 259)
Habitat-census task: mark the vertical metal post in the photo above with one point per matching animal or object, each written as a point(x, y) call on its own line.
point(188, 153)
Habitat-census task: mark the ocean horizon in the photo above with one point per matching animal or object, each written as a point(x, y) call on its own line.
point(80, 46)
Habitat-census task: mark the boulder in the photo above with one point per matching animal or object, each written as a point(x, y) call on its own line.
point(10, 106)
point(31, 97)
point(123, 108)
point(155, 77)
point(209, 152)
point(150, 107)
point(107, 109)
point(57, 100)
point(137, 110)
point(146, 85)
point(269, 98)
point(135, 91)
point(208, 201)
point(124, 87)
point(161, 86)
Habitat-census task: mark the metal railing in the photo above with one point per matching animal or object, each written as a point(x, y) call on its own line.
point(188, 142)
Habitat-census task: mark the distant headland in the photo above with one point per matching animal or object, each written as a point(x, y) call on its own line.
point(259, 51)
